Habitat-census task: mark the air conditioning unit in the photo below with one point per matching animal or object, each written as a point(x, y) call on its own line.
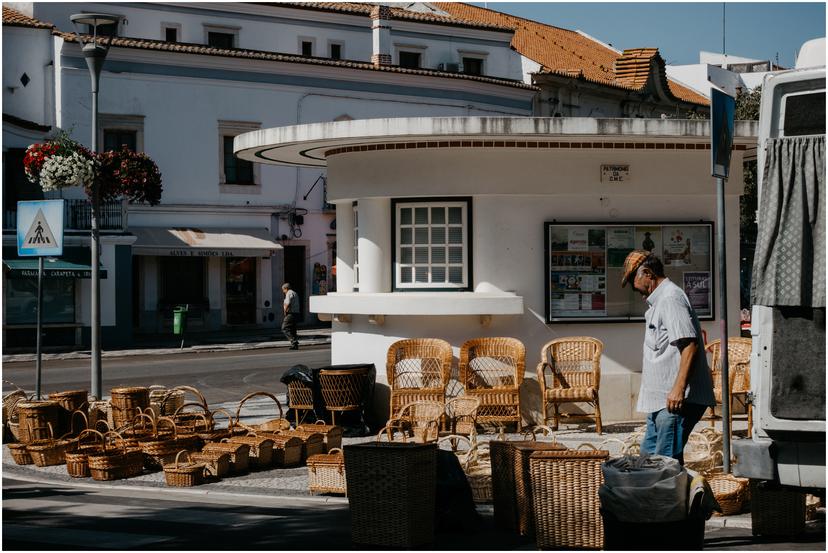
point(449, 67)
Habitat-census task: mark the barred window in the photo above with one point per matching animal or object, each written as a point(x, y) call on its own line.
point(432, 244)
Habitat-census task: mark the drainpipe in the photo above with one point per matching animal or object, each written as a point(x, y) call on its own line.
point(381, 34)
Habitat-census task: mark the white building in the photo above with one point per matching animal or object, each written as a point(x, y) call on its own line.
point(505, 210)
point(179, 83)
point(744, 73)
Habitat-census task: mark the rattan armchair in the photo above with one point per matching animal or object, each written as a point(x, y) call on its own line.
point(461, 415)
point(738, 360)
point(342, 389)
point(570, 372)
point(420, 419)
point(491, 369)
point(418, 369)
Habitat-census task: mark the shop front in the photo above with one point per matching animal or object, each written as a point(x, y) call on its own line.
point(518, 227)
point(221, 275)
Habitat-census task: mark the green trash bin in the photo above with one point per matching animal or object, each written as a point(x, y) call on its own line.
point(180, 319)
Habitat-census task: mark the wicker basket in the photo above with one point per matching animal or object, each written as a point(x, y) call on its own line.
point(77, 462)
point(728, 490)
point(703, 451)
point(10, 402)
point(115, 462)
point(273, 425)
point(478, 469)
point(184, 475)
point(20, 454)
point(239, 454)
point(392, 493)
point(776, 511)
point(164, 402)
point(190, 422)
point(287, 450)
point(261, 449)
point(127, 403)
point(313, 442)
point(511, 482)
point(160, 448)
point(48, 452)
point(326, 472)
point(565, 498)
point(100, 413)
point(69, 402)
point(331, 433)
point(35, 418)
point(216, 463)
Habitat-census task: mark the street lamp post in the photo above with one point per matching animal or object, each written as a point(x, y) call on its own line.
point(95, 46)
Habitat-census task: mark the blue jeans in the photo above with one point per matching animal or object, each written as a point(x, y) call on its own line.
point(667, 432)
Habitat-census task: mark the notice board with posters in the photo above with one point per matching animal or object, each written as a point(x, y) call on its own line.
point(584, 263)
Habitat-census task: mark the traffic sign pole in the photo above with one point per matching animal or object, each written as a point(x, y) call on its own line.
point(39, 324)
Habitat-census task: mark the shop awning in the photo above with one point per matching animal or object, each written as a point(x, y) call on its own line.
point(204, 242)
point(52, 268)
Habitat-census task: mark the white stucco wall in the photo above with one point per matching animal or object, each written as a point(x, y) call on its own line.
point(33, 100)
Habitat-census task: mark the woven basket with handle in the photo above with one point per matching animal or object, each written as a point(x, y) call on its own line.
point(127, 402)
point(273, 425)
point(48, 452)
point(68, 402)
point(326, 472)
point(216, 463)
point(313, 442)
point(330, 432)
point(239, 454)
point(77, 462)
point(115, 461)
point(10, 415)
point(261, 449)
point(20, 454)
point(184, 474)
point(511, 481)
point(478, 469)
point(730, 491)
point(35, 418)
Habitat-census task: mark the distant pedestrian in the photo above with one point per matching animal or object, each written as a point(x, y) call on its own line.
point(676, 387)
point(291, 311)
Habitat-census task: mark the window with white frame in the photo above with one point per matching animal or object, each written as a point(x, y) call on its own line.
point(171, 32)
point(356, 246)
point(116, 130)
point(307, 46)
point(235, 174)
point(432, 241)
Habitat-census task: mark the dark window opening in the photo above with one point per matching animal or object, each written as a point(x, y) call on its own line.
point(336, 51)
point(115, 138)
point(182, 280)
point(236, 171)
point(805, 114)
point(220, 40)
point(171, 34)
point(307, 48)
point(16, 187)
point(472, 66)
point(410, 60)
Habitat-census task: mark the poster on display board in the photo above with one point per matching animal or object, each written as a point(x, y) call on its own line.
point(584, 263)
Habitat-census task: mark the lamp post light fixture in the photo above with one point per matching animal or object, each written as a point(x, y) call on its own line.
point(95, 44)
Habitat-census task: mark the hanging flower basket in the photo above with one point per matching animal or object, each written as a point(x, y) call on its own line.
point(59, 163)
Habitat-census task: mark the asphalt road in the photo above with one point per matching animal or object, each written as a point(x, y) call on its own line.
point(220, 376)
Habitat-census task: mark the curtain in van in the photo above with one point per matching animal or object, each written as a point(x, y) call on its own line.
point(789, 264)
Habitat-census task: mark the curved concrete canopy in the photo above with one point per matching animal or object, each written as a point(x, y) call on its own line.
point(306, 145)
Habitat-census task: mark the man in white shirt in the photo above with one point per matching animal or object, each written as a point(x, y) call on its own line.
point(676, 387)
point(291, 311)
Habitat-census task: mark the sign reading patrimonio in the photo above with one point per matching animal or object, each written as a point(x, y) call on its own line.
point(40, 228)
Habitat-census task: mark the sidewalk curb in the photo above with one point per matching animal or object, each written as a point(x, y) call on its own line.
point(171, 491)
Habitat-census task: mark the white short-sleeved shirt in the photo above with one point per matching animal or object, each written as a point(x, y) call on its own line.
point(292, 302)
point(670, 318)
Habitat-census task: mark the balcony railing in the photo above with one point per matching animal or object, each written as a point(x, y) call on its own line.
point(77, 215)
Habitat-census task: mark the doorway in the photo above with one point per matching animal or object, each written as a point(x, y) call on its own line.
point(240, 290)
point(295, 274)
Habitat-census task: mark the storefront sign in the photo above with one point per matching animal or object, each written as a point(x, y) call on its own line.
point(193, 252)
point(615, 173)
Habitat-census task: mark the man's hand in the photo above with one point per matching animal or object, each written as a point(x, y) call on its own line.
point(675, 399)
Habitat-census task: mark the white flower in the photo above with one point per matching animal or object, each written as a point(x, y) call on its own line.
point(62, 171)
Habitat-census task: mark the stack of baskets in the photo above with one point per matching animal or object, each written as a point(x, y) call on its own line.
point(115, 461)
point(34, 420)
point(326, 472)
point(165, 402)
point(127, 403)
point(77, 462)
point(184, 475)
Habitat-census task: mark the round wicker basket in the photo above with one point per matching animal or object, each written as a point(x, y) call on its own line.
point(730, 491)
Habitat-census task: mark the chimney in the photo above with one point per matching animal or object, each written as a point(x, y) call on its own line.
point(381, 31)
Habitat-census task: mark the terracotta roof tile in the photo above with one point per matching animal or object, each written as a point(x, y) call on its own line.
point(359, 8)
point(14, 18)
point(569, 53)
point(204, 50)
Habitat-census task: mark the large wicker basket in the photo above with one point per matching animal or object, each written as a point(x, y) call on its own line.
point(728, 490)
point(287, 450)
point(565, 498)
point(511, 482)
point(69, 402)
point(10, 401)
point(261, 449)
point(478, 469)
point(160, 448)
point(776, 511)
point(326, 472)
point(330, 432)
point(116, 462)
point(127, 402)
point(391, 492)
point(184, 475)
point(35, 419)
point(165, 402)
point(100, 414)
point(239, 454)
point(313, 442)
point(77, 462)
point(216, 463)
point(20, 454)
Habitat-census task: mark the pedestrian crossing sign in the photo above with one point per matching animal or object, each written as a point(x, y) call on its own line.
point(40, 228)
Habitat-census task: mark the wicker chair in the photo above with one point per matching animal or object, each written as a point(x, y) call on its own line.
point(491, 369)
point(461, 414)
point(574, 365)
point(738, 360)
point(420, 419)
point(418, 369)
point(300, 398)
point(342, 389)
